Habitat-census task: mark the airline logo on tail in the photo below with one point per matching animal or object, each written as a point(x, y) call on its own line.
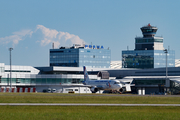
point(85, 74)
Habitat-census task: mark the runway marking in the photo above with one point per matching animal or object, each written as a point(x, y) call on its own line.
point(81, 104)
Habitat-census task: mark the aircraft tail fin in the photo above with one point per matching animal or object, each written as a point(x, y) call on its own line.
point(86, 77)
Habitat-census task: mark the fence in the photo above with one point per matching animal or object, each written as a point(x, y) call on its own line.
point(17, 90)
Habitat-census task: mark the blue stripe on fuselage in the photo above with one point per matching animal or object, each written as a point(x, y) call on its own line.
point(102, 81)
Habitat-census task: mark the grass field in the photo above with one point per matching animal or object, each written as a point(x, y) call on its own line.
point(87, 112)
point(85, 98)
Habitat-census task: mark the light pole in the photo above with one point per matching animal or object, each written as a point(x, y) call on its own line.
point(166, 52)
point(10, 49)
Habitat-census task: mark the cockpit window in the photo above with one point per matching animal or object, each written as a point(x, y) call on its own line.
point(117, 83)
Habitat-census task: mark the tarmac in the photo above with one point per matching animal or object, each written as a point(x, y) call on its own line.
point(80, 104)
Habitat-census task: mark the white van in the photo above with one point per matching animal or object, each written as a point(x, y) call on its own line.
point(53, 91)
point(49, 90)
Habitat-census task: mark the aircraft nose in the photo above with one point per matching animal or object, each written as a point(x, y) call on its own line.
point(120, 85)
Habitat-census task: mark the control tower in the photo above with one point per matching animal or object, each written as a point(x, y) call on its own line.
point(148, 52)
point(149, 31)
point(149, 41)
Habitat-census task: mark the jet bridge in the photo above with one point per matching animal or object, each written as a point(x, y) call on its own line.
point(175, 86)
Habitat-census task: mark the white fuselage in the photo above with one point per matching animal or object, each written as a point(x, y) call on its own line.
point(104, 84)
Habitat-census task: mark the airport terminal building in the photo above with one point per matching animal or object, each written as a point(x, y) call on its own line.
point(30, 77)
point(66, 79)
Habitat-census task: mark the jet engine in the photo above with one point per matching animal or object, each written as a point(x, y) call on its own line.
point(94, 90)
point(121, 90)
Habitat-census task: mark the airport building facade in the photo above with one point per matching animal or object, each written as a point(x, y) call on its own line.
point(30, 77)
point(149, 51)
point(67, 79)
point(152, 81)
point(78, 56)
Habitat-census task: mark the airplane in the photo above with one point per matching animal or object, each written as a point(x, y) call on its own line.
point(96, 85)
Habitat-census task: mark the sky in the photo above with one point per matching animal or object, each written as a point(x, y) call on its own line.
point(31, 26)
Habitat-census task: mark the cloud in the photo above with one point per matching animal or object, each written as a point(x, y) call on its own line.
point(47, 35)
point(16, 37)
point(58, 38)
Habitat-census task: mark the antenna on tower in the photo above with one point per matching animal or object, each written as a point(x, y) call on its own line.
point(168, 48)
point(52, 45)
point(127, 47)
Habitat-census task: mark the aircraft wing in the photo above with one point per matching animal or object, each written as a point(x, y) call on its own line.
point(100, 87)
point(76, 85)
point(128, 86)
point(123, 83)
